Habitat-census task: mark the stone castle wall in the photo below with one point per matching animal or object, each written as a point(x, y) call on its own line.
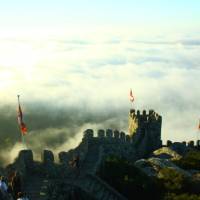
point(146, 138)
point(96, 146)
point(106, 143)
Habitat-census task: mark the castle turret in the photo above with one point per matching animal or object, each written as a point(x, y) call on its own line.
point(145, 130)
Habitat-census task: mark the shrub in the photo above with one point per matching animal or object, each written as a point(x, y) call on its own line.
point(172, 180)
point(185, 196)
point(190, 161)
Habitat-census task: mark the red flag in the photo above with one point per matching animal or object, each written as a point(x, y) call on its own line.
point(199, 125)
point(20, 121)
point(131, 96)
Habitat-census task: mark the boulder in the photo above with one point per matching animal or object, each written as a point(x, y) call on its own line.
point(47, 157)
point(146, 167)
point(152, 166)
point(167, 153)
point(164, 163)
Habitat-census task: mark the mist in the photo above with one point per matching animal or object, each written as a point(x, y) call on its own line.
point(53, 128)
point(68, 85)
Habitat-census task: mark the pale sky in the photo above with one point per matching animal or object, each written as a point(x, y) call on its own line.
point(84, 56)
point(99, 12)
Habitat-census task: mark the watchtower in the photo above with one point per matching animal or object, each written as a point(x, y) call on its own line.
point(145, 129)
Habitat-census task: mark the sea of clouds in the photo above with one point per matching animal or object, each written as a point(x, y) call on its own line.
point(69, 83)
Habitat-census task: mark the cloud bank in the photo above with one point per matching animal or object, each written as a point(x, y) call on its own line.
point(70, 84)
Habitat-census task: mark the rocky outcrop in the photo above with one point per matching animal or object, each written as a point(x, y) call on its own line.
point(146, 167)
point(166, 153)
point(152, 166)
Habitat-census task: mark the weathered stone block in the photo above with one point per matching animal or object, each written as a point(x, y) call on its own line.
point(151, 112)
point(47, 157)
point(132, 111)
point(128, 138)
point(63, 157)
point(122, 136)
point(116, 134)
point(169, 143)
point(109, 133)
point(184, 143)
point(101, 133)
point(26, 156)
point(144, 113)
point(191, 144)
point(89, 133)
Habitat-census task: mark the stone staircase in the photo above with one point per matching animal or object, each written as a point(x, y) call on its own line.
point(90, 183)
point(98, 189)
point(92, 157)
point(35, 188)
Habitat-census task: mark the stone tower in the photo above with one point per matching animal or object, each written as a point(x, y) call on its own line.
point(145, 130)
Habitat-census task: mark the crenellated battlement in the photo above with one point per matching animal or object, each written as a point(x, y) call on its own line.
point(94, 147)
point(144, 138)
point(93, 142)
point(47, 156)
point(106, 135)
point(143, 123)
point(189, 144)
point(26, 156)
point(145, 117)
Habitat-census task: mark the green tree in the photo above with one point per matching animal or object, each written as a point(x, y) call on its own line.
point(190, 161)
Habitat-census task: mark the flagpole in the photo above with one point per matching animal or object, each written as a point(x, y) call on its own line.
point(18, 98)
point(198, 131)
point(22, 136)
